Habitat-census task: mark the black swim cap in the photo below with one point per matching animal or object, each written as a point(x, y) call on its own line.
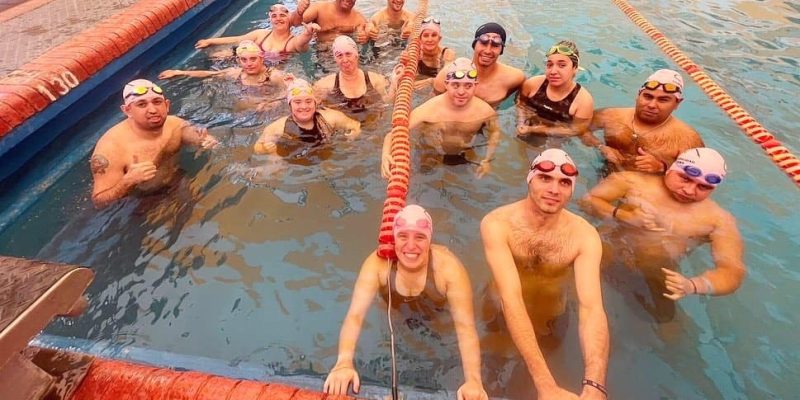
point(490, 27)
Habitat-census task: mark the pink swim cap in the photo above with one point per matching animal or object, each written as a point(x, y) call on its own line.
point(413, 218)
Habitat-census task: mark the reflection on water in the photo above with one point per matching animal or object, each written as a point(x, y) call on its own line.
point(253, 259)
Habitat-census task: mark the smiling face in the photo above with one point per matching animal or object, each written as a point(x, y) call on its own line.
point(396, 5)
point(559, 70)
point(279, 18)
point(303, 108)
point(251, 64)
point(487, 53)
point(147, 113)
point(459, 92)
point(429, 39)
point(550, 191)
point(686, 189)
point(412, 249)
point(654, 106)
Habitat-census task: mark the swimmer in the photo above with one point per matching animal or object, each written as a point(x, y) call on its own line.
point(393, 17)
point(351, 89)
point(647, 138)
point(554, 104)
point(664, 217)
point(433, 57)
point(461, 116)
point(333, 18)
point(251, 70)
point(307, 122)
point(532, 247)
point(140, 153)
point(426, 274)
point(276, 44)
point(498, 80)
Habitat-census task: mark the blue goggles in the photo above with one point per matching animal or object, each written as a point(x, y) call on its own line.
point(694, 172)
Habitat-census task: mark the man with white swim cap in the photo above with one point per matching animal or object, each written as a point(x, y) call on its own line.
point(307, 122)
point(498, 80)
point(660, 219)
point(424, 278)
point(647, 138)
point(452, 120)
point(141, 152)
point(532, 247)
point(333, 17)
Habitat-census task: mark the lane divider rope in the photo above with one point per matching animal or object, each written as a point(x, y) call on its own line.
point(775, 150)
point(397, 188)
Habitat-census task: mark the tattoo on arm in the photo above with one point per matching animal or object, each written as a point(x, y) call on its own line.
point(98, 164)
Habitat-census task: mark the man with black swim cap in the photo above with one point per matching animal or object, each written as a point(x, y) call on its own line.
point(498, 80)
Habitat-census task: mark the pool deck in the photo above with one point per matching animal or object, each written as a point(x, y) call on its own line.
point(50, 47)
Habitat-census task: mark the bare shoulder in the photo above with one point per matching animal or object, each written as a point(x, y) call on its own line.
point(497, 219)
point(512, 74)
point(443, 253)
point(374, 76)
point(114, 136)
point(580, 226)
point(326, 81)
point(378, 17)
point(481, 109)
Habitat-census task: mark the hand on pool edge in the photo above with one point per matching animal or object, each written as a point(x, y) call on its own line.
point(338, 380)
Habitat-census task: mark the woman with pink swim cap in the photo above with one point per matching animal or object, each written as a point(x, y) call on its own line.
point(424, 277)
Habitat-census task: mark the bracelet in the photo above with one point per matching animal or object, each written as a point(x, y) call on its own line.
point(601, 388)
point(693, 286)
point(614, 213)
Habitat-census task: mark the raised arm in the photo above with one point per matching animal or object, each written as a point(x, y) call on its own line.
point(506, 277)
point(600, 199)
point(367, 284)
point(592, 324)
point(299, 43)
point(195, 135)
point(172, 73)
point(459, 298)
point(252, 35)
point(303, 13)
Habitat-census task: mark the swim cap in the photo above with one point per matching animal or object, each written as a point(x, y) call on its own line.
point(558, 158)
point(343, 43)
point(413, 218)
point(248, 47)
point(702, 164)
point(432, 24)
point(298, 88)
point(140, 89)
point(490, 27)
point(561, 48)
point(668, 76)
point(278, 7)
point(461, 70)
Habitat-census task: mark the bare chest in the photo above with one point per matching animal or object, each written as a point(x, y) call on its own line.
point(542, 253)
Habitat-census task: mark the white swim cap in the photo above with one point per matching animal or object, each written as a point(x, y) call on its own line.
point(343, 43)
point(430, 23)
point(665, 78)
point(140, 89)
point(461, 70)
point(554, 160)
point(298, 88)
point(702, 164)
point(248, 47)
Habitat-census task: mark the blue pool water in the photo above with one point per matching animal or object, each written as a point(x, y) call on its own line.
point(260, 272)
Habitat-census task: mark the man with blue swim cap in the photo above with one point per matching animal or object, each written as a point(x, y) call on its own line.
point(660, 219)
point(498, 80)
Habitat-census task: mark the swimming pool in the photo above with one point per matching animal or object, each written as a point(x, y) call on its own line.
point(233, 270)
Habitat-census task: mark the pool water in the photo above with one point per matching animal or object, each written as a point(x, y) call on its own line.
point(260, 270)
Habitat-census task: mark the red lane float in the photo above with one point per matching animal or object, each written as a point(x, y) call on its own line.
point(776, 151)
point(397, 189)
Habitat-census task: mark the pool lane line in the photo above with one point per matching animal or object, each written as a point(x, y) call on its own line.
point(775, 150)
point(397, 188)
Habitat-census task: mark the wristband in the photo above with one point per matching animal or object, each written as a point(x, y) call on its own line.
point(614, 213)
point(693, 286)
point(601, 388)
point(709, 286)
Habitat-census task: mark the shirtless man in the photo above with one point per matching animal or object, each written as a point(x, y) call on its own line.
point(662, 218)
point(647, 138)
point(532, 246)
point(424, 276)
point(307, 123)
point(498, 80)
point(333, 17)
point(454, 119)
point(393, 17)
point(140, 153)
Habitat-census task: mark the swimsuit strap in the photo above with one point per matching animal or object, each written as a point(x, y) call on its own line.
point(264, 40)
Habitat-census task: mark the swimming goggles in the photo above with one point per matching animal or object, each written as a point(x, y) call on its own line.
point(428, 20)
point(561, 49)
point(298, 91)
point(278, 8)
point(694, 172)
point(548, 166)
point(485, 40)
point(471, 74)
point(668, 87)
point(140, 90)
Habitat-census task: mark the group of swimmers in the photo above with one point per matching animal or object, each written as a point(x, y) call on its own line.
point(657, 195)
